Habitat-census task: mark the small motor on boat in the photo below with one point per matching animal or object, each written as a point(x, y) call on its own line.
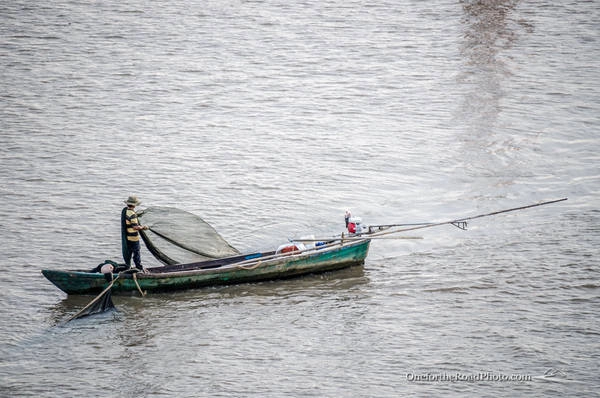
point(353, 224)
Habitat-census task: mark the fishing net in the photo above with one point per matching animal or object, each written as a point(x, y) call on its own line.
point(101, 304)
point(177, 237)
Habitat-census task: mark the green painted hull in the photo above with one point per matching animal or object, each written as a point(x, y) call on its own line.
point(269, 268)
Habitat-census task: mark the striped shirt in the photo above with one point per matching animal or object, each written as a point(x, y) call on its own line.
point(131, 221)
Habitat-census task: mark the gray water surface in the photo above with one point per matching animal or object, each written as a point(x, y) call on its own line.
point(269, 119)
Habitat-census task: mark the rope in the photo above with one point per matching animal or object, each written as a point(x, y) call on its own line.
point(138, 285)
point(258, 264)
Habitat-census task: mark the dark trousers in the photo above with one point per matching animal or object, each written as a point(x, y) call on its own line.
point(134, 250)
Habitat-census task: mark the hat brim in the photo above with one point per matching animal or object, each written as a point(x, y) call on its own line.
point(132, 204)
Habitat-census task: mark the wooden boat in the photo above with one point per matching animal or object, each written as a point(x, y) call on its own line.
point(224, 271)
point(333, 255)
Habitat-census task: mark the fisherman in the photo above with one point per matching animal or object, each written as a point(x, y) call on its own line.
point(130, 228)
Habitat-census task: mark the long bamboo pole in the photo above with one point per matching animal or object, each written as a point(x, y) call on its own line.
point(460, 223)
point(462, 220)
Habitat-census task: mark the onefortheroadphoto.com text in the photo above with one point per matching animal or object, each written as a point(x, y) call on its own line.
point(466, 377)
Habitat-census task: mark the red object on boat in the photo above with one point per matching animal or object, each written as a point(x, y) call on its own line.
point(288, 249)
point(351, 227)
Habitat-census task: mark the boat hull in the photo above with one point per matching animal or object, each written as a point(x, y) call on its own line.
point(272, 267)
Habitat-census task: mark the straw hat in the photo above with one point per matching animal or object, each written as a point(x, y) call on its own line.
point(133, 200)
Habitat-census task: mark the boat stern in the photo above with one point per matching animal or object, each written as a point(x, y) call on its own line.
point(76, 282)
